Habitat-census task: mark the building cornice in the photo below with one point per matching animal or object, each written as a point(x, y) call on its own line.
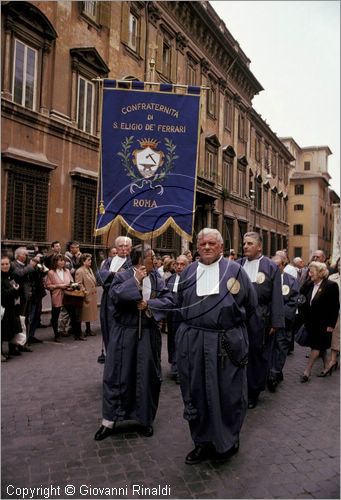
point(200, 20)
point(261, 125)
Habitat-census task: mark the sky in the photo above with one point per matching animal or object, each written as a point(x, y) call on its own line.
point(294, 48)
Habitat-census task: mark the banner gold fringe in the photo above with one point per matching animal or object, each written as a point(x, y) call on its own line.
point(170, 222)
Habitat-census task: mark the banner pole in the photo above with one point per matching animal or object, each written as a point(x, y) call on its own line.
point(180, 85)
point(140, 312)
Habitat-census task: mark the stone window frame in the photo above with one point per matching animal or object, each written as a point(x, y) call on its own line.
point(100, 17)
point(258, 142)
point(212, 146)
point(24, 93)
point(136, 10)
point(24, 22)
point(84, 207)
point(86, 63)
point(166, 38)
point(299, 189)
point(212, 98)
point(228, 112)
point(191, 65)
point(30, 206)
point(298, 230)
point(242, 127)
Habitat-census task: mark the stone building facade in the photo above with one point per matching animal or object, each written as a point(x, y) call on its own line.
point(311, 201)
point(52, 51)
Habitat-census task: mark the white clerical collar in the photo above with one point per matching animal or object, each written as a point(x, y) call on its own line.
point(146, 288)
point(251, 268)
point(116, 263)
point(208, 278)
point(176, 283)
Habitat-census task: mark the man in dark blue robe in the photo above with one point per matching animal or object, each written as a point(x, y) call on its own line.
point(132, 371)
point(282, 339)
point(174, 316)
point(105, 276)
point(266, 278)
point(217, 303)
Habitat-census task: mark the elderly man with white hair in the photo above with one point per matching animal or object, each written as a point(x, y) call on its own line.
point(217, 304)
point(105, 275)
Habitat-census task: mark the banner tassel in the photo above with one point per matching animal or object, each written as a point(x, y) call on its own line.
point(101, 208)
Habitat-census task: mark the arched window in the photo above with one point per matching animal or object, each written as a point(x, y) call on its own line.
point(29, 37)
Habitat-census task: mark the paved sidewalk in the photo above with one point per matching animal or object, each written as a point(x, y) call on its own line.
point(51, 408)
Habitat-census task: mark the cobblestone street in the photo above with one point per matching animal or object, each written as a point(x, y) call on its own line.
point(51, 408)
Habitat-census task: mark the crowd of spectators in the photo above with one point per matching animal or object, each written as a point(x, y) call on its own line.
point(27, 278)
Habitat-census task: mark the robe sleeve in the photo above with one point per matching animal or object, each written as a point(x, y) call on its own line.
point(124, 289)
point(163, 303)
point(290, 305)
point(277, 306)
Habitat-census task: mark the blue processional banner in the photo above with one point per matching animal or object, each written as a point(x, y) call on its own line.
point(149, 158)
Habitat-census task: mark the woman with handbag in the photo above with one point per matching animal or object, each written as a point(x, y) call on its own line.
point(10, 322)
point(320, 312)
point(87, 280)
point(59, 280)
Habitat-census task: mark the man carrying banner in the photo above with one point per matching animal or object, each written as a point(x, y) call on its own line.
point(132, 371)
point(105, 276)
point(217, 303)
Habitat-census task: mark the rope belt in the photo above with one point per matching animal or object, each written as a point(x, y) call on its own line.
point(225, 349)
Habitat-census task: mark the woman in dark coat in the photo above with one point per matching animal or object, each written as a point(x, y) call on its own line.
point(10, 322)
point(320, 312)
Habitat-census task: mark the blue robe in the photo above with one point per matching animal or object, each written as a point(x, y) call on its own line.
point(132, 371)
point(173, 320)
point(282, 339)
point(270, 311)
point(104, 278)
point(212, 351)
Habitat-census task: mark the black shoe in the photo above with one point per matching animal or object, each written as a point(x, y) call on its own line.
point(280, 377)
point(90, 333)
point(57, 340)
point(13, 350)
point(34, 340)
point(199, 454)
point(147, 431)
point(304, 379)
point(23, 348)
point(104, 432)
point(252, 403)
point(229, 453)
point(272, 384)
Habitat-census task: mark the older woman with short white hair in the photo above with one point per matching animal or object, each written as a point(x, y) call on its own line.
point(320, 312)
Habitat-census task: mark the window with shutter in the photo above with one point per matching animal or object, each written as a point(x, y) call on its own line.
point(168, 241)
point(84, 210)
point(27, 202)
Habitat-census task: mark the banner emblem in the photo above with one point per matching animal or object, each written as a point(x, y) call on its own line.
point(148, 160)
